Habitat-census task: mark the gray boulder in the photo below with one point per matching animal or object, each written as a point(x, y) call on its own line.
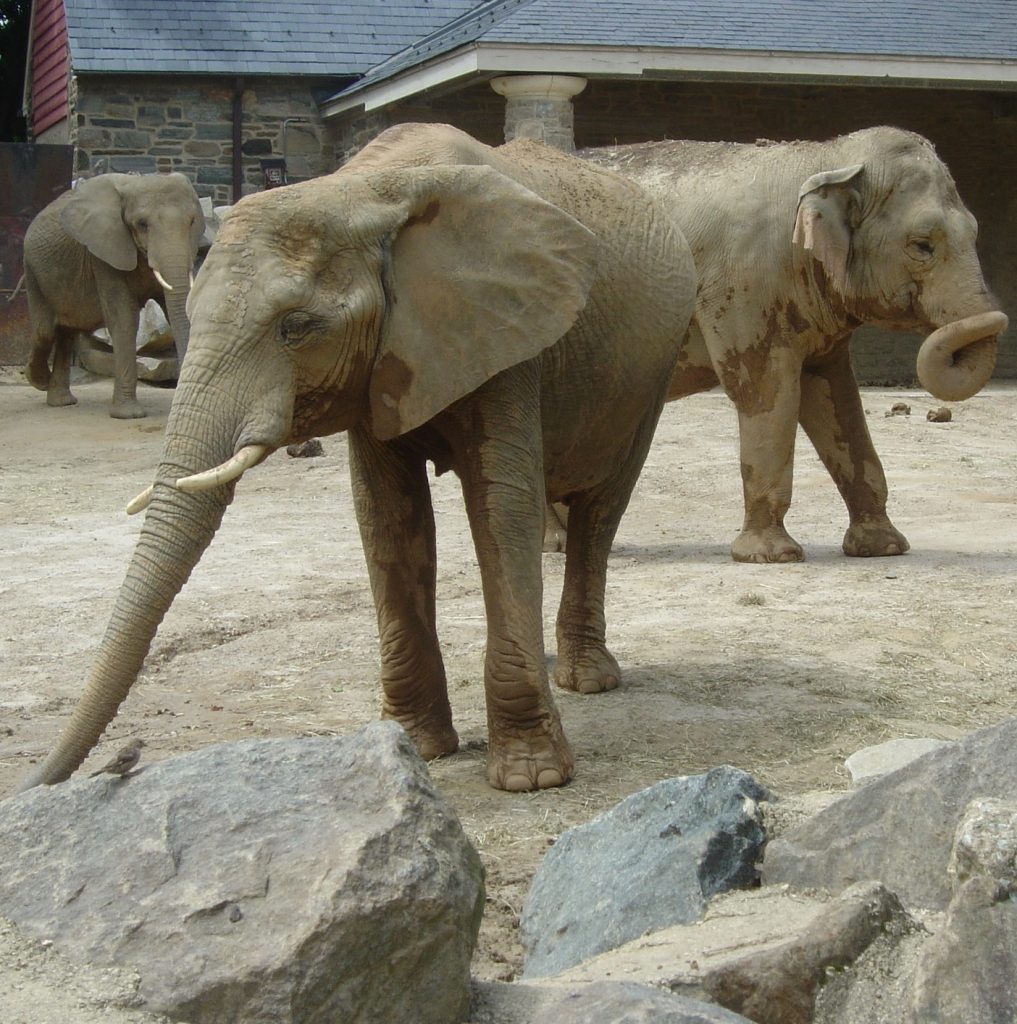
point(899, 829)
point(968, 972)
point(310, 880)
point(652, 861)
point(601, 1002)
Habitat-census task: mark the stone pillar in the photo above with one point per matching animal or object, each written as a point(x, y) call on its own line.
point(540, 107)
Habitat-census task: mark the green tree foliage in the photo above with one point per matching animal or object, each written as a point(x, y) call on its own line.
point(14, 20)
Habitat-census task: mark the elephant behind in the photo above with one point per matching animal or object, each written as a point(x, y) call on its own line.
point(796, 245)
point(95, 256)
point(509, 314)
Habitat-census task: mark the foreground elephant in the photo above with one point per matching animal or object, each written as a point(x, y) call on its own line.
point(796, 245)
point(440, 300)
point(95, 256)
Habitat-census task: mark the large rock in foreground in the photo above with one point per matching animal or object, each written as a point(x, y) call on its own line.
point(310, 880)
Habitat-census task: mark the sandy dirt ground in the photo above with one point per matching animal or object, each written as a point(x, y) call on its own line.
point(782, 671)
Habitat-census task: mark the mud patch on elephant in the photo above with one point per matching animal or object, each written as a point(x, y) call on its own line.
point(781, 670)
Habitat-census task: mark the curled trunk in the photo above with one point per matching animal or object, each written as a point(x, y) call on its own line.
point(957, 360)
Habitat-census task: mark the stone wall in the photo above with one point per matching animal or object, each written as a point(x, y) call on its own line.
point(145, 124)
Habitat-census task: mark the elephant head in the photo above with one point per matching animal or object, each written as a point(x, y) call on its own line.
point(373, 299)
point(118, 216)
point(897, 247)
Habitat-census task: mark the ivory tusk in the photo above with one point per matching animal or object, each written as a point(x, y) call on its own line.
point(141, 502)
point(162, 280)
point(229, 470)
point(190, 279)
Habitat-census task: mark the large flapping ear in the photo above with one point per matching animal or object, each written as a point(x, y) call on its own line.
point(826, 216)
point(484, 275)
point(94, 217)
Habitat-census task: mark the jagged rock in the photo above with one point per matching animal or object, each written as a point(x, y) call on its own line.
point(601, 1002)
point(764, 953)
point(986, 843)
point(309, 880)
point(653, 860)
point(780, 986)
point(310, 449)
point(899, 828)
point(872, 762)
point(968, 974)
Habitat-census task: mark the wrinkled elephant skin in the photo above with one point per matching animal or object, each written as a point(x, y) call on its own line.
point(796, 245)
point(95, 256)
point(441, 301)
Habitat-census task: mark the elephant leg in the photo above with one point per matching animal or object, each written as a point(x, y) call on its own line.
point(393, 504)
point(121, 314)
point(58, 393)
point(501, 468)
point(584, 664)
point(832, 416)
point(767, 424)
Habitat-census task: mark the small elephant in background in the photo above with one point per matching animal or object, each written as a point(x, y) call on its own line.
point(95, 256)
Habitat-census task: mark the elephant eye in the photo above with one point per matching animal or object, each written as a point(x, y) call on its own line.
point(143, 224)
point(921, 248)
point(297, 327)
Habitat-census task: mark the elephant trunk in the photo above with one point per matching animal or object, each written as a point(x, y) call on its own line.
point(957, 360)
point(173, 267)
point(177, 529)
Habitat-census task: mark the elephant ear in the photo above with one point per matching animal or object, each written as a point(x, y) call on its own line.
point(94, 217)
point(484, 274)
point(827, 214)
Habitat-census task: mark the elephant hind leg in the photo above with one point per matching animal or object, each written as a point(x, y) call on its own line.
point(55, 381)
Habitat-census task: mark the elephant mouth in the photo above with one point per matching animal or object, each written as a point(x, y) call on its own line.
point(957, 359)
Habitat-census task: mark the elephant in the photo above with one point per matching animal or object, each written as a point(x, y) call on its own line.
point(796, 245)
point(82, 269)
point(440, 301)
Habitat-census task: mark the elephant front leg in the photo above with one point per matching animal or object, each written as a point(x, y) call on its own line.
point(503, 484)
point(393, 506)
point(121, 314)
point(832, 416)
point(767, 424)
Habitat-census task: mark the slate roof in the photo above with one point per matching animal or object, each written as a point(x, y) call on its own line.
point(950, 29)
point(250, 37)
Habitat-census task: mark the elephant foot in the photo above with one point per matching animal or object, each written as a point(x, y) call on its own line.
point(127, 409)
point(37, 374)
point(537, 758)
point(60, 397)
point(432, 739)
point(594, 670)
point(772, 544)
point(874, 539)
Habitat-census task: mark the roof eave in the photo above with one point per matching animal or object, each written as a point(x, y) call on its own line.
point(485, 60)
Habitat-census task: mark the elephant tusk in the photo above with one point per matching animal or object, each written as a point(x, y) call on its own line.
point(162, 280)
point(141, 502)
point(190, 279)
point(229, 470)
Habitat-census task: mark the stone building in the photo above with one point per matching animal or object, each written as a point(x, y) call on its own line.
point(224, 90)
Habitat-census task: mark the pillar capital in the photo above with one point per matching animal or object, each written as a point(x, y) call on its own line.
point(550, 87)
